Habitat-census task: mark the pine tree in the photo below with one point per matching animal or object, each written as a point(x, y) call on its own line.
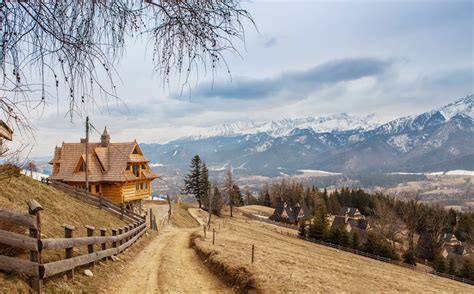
point(204, 185)
point(439, 264)
point(409, 257)
point(467, 270)
point(238, 200)
point(193, 179)
point(318, 229)
point(355, 242)
point(216, 201)
point(451, 266)
point(229, 184)
point(302, 230)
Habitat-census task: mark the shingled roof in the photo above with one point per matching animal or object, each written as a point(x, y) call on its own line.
point(107, 162)
point(5, 131)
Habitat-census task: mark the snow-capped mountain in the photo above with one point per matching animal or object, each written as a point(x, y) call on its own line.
point(278, 128)
point(439, 139)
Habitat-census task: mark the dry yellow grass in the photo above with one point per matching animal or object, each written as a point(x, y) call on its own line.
point(287, 264)
point(59, 209)
point(257, 209)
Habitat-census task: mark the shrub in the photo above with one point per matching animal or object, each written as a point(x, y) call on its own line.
point(451, 266)
point(467, 270)
point(438, 263)
point(355, 243)
point(376, 245)
point(409, 257)
point(302, 230)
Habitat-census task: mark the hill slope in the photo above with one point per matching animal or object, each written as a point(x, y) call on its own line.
point(59, 209)
point(287, 264)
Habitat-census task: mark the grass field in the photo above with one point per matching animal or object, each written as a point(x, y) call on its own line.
point(59, 209)
point(257, 209)
point(288, 264)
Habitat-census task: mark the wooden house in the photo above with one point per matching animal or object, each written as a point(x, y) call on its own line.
point(6, 133)
point(349, 219)
point(296, 214)
point(117, 171)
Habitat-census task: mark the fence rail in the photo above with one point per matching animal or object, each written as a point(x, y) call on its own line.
point(97, 201)
point(355, 251)
point(36, 269)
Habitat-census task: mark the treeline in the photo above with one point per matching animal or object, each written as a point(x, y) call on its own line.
point(211, 195)
point(394, 222)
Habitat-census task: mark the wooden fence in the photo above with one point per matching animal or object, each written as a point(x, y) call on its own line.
point(35, 269)
point(97, 201)
point(351, 250)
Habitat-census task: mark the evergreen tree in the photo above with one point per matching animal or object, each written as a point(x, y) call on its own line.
point(355, 242)
point(451, 266)
point(238, 200)
point(204, 185)
point(467, 270)
point(338, 235)
point(192, 181)
point(216, 201)
point(302, 230)
point(409, 257)
point(438, 263)
point(229, 187)
point(318, 229)
point(376, 245)
point(266, 199)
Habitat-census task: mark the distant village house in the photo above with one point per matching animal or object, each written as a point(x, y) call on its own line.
point(296, 214)
point(117, 171)
point(350, 219)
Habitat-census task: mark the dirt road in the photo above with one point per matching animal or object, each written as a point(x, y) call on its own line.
point(168, 265)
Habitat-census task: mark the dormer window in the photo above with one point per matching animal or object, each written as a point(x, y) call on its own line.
point(135, 170)
point(81, 165)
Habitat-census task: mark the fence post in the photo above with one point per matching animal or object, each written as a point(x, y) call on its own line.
point(151, 219)
point(125, 231)
point(103, 246)
point(114, 233)
point(213, 235)
point(90, 247)
point(120, 231)
point(100, 201)
point(121, 211)
point(204, 228)
point(253, 253)
point(34, 209)
point(68, 229)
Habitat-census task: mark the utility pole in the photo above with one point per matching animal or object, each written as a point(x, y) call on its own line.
point(87, 154)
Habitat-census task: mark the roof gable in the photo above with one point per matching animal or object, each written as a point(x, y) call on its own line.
point(105, 163)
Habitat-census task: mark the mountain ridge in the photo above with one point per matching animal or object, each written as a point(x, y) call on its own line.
point(404, 144)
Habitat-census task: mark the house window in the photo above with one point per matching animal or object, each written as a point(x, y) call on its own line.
point(82, 168)
point(135, 170)
point(143, 166)
point(137, 186)
point(145, 185)
point(128, 167)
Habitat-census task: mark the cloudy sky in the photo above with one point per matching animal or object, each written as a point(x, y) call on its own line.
point(308, 58)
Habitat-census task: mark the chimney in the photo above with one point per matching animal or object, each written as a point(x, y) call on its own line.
point(105, 138)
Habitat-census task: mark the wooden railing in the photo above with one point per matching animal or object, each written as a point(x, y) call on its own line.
point(95, 200)
point(35, 269)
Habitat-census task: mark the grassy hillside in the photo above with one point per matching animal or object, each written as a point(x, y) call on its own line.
point(287, 264)
point(59, 209)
